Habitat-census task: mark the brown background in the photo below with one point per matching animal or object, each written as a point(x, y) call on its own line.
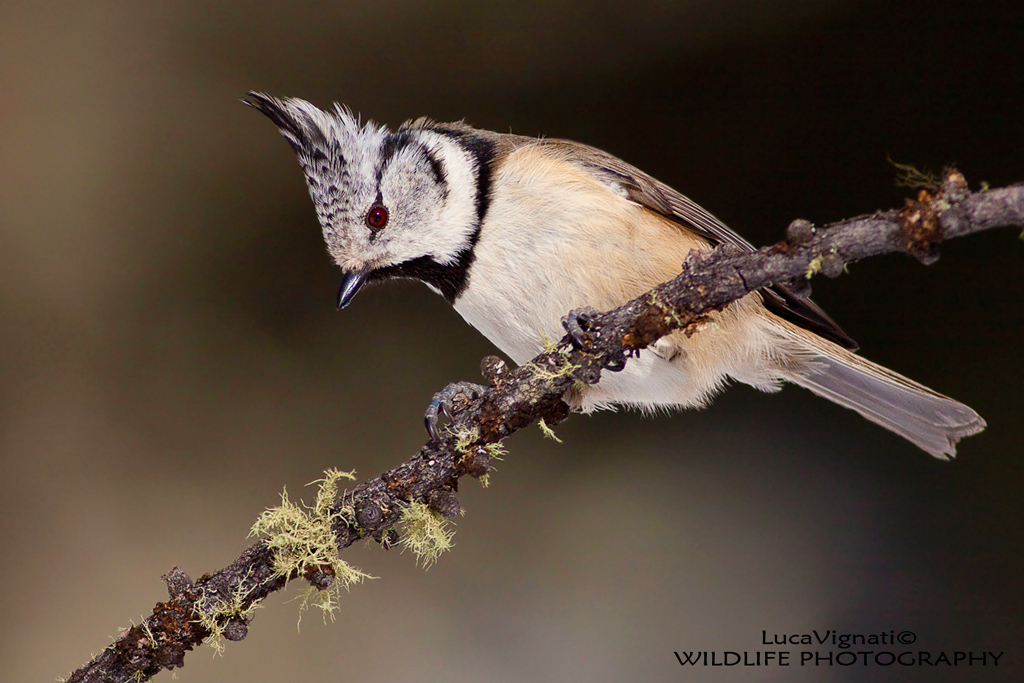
point(170, 357)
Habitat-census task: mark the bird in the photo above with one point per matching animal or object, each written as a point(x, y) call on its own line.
point(515, 232)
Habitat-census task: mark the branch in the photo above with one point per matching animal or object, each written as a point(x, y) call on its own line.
point(220, 604)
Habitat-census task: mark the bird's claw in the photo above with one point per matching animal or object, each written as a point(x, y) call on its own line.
point(577, 325)
point(617, 362)
point(450, 401)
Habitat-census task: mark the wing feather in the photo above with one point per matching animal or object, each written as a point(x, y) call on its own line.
point(662, 199)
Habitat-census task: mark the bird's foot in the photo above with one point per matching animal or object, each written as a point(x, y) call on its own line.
point(578, 325)
point(449, 402)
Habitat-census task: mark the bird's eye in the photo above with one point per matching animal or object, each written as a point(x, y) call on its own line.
point(377, 217)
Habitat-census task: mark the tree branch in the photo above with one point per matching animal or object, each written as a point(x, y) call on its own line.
point(220, 603)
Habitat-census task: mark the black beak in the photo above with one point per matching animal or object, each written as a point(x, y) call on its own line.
point(350, 285)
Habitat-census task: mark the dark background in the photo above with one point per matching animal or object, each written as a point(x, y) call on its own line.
point(170, 357)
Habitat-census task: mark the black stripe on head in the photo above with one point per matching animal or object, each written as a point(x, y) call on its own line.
point(451, 279)
point(391, 145)
point(396, 142)
point(437, 169)
point(482, 151)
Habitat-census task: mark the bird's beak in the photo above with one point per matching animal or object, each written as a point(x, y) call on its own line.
point(350, 285)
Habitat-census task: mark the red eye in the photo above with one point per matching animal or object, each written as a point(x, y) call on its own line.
point(377, 217)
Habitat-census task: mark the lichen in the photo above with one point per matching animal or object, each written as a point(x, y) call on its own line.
point(303, 540)
point(562, 367)
point(424, 532)
point(465, 437)
point(496, 450)
point(547, 431)
point(213, 617)
point(910, 176)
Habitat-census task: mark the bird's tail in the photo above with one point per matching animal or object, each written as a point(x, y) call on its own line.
point(924, 417)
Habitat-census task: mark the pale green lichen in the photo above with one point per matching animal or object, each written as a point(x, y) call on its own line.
point(814, 267)
point(912, 177)
point(233, 607)
point(327, 601)
point(465, 437)
point(547, 431)
point(672, 318)
point(149, 634)
point(496, 450)
point(563, 367)
point(302, 538)
point(426, 533)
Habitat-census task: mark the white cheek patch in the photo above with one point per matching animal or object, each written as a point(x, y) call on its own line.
point(429, 221)
point(457, 218)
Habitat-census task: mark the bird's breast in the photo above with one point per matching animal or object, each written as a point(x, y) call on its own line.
point(556, 239)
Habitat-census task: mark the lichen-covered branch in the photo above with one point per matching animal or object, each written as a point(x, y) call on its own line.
point(411, 498)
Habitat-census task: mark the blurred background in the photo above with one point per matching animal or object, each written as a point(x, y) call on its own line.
point(170, 357)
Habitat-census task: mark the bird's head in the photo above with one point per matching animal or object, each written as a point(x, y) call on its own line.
point(402, 204)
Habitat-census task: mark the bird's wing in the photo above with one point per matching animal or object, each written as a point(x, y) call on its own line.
point(662, 199)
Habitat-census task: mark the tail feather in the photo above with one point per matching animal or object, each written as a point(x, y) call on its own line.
point(926, 418)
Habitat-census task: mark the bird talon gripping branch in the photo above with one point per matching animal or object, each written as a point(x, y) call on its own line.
point(577, 325)
point(449, 402)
